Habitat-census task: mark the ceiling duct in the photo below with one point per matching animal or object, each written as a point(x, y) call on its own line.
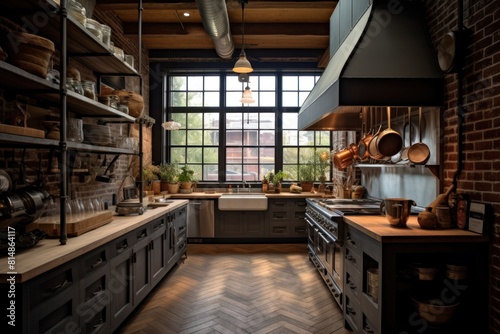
point(383, 58)
point(216, 22)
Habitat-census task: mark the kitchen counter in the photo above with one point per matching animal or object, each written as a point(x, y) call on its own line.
point(378, 228)
point(209, 195)
point(49, 253)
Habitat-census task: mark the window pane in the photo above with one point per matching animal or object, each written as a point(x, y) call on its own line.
point(302, 98)
point(290, 83)
point(195, 121)
point(306, 154)
point(267, 83)
point(306, 83)
point(306, 137)
point(251, 120)
point(211, 120)
point(195, 99)
point(289, 137)
point(290, 121)
point(179, 83)
point(290, 99)
point(197, 171)
point(233, 138)
point(195, 83)
point(195, 137)
point(264, 170)
point(290, 155)
point(232, 83)
point(251, 172)
point(250, 138)
point(265, 99)
point(211, 99)
point(178, 155)
point(234, 120)
point(267, 121)
point(211, 154)
point(179, 117)
point(267, 138)
point(212, 83)
point(178, 99)
point(323, 138)
point(178, 137)
point(234, 154)
point(211, 137)
point(267, 155)
point(210, 173)
point(293, 171)
point(234, 173)
point(233, 99)
point(194, 155)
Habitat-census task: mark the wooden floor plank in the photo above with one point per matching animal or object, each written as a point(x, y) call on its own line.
point(240, 289)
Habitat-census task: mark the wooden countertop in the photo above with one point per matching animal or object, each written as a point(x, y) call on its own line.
point(49, 253)
point(201, 195)
point(378, 228)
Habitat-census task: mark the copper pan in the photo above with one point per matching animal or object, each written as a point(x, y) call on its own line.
point(389, 142)
point(419, 153)
point(372, 146)
point(363, 143)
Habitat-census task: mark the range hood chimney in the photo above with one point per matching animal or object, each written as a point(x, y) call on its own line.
point(385, 59)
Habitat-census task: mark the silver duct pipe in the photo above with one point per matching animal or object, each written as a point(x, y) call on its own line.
point(216, 22)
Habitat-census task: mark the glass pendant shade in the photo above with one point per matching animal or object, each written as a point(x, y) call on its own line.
point(171, 125)
point(247, 96)
point(242, 65)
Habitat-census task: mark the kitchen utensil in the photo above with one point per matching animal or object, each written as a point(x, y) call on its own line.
point(372, 146)
point(441, 199)
point(419, 153)
point(404, 150)
point(104, 177)
point(397, 157)
point(5, 181)
point(346, 157)
point(389, 142)
point(396, 210)
point(363, 143)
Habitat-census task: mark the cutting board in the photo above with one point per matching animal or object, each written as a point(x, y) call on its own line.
point(74, 228)
point(22, 131)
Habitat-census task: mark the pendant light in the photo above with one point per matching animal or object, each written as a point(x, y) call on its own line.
point(242, 65)
point(247, 96)
point(171, 125)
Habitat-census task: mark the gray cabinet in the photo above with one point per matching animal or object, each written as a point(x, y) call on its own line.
point(285, 218)
point(241, 224)
point(158, 250)
point(141, 266)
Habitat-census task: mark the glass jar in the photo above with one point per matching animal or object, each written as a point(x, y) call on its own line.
point(73, 85)
point(89, 89)
point(123, 108)
point(118, 53)
point(95, 28)
point(113, 101)
point(77, 11)
point(129, 59)
point(106, 35)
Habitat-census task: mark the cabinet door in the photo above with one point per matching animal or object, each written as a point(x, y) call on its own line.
point(120, 287)
point(170, 244)
point(253, 224)
point(231, 224)
point(158, 248)
point(141, 265)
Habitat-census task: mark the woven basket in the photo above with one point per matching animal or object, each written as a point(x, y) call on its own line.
point(29, 52)
point(135, 102)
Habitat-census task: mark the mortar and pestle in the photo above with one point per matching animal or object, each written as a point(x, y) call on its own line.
point(428, 219)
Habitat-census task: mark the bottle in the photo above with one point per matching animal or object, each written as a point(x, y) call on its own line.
point(229, 188)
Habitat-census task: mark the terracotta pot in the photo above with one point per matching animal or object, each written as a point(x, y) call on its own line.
point(426, 219)
point(306, 185)
point(173, 188)
point(186, 185)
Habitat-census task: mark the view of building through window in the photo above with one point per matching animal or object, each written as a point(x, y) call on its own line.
point(236, 142)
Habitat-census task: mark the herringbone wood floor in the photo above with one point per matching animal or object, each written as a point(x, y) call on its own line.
point(240, 289)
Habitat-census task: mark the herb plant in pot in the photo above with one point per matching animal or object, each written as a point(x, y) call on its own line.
point(278, 178)
point(169, 177)
point(186, 177)
point(307, 176)
point(150, 177)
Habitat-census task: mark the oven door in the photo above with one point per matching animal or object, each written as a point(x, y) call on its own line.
point(311, 233)
point(331, 257)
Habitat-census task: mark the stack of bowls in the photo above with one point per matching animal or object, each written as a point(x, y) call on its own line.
point(425, 272)
point(97, 134)
point(456, 272)
point(435, 311)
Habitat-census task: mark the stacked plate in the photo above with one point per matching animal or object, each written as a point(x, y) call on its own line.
point(97, 134)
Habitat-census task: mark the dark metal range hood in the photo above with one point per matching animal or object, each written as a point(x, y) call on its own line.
point(385, 60)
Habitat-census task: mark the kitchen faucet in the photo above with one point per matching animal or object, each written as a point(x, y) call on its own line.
point(243, 188)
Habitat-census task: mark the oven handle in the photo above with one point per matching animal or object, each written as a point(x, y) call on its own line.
point(312, 223)
point(328, 242)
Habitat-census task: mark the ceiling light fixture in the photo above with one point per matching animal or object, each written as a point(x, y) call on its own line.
point(171, 125)
point(247, 95)
point(242, 65)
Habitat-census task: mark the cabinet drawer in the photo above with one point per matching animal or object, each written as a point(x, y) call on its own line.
point(279, 215)
point(353, 238)
point(352, 312)
point(58, 316)
point(278, 229)
point(298, 215)
point(121, 245)
point(277, 203)
point(96, 320)
point(93, 291)
point(352, 281)
point(95, 261)
point(52, 284)
point(353, 258)
point(299, 203)
point(158, 227)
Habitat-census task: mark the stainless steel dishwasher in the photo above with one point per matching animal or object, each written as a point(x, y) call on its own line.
point(200, 220)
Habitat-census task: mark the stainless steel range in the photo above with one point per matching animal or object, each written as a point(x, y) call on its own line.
point(325, 232)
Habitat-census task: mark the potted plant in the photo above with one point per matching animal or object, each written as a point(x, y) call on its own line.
point(278, 178)
point(307, 176)
point(169, 177)
point(186, 177)
point(150, 178)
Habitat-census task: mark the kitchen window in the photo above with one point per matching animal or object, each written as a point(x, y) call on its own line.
point(223, 140)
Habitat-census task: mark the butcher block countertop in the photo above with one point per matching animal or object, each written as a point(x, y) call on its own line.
point(378, 228)
point(215, 195)
point(49, 253)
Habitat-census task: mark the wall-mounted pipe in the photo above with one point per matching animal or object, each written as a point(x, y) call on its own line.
point(216, 22)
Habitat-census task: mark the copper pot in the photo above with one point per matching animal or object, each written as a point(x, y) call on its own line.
point(343, 158)
point(389, 141)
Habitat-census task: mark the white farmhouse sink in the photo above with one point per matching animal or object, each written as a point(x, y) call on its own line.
point(243, 202)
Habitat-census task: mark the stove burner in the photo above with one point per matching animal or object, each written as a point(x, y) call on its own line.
point(351, 206)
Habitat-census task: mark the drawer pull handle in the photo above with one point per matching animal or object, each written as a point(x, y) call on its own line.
point(351, 258)
point(350, 240)
point(122, 248)
point(59, 286)
point(98, 291)
point(369, 330)
point(142, 236)
point(350, 310)
point(97, 263)
point(99, 324)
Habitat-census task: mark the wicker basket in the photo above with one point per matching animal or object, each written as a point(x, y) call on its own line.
point(29, 52)
point(135, 102)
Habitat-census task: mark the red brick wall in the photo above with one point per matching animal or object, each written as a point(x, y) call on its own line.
point(481, 174)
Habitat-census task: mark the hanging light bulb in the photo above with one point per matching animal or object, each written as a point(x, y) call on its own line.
point(247, 96)
point(242, 65)
point(171, 125)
